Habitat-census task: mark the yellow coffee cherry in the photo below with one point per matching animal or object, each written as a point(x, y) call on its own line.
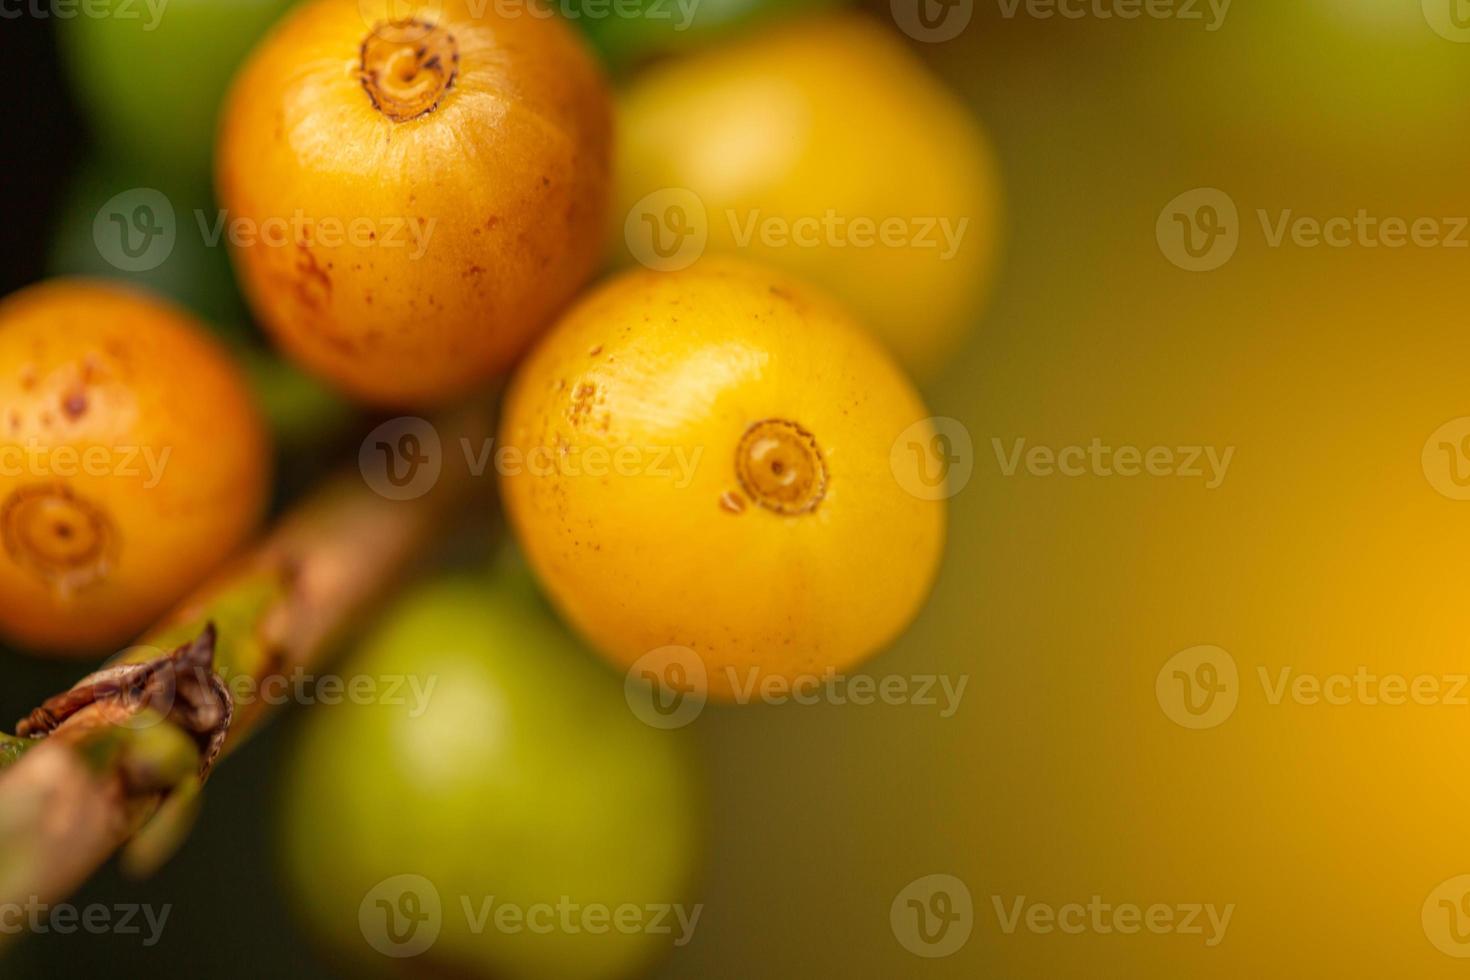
point(824, 147)
point(702, 459)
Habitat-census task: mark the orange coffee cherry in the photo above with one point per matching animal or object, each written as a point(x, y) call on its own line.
point(132, 461)
point(410, 201)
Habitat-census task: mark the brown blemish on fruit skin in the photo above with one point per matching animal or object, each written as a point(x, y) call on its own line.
point(584, 397)
point(313, 285)
point(63, 539)
point(780, 467)
point(732, 502)
point(407, 68)
point(75, 405)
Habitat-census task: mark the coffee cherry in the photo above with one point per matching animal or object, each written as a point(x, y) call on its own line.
point(825, 148)
point(703, 459)
point(502, 766)
point(412, 200)
point(132, 461)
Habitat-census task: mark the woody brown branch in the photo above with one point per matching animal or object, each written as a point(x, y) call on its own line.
point(316, 575)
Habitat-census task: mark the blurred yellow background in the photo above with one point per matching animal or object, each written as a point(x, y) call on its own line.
point(1324, 551)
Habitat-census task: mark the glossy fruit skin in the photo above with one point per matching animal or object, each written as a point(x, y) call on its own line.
point(151, 85)
point(477, 218)
point(527, 779)
point(662, 27)
point(136, 461)
point(689, 362)
point(827, 114)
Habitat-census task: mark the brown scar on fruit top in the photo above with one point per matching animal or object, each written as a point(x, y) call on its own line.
point(61, 537)
point(408, 67)
point(780, 467)
point(181, 685)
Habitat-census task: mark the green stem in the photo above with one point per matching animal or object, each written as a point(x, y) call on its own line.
point(12, 748)
point(281, 608)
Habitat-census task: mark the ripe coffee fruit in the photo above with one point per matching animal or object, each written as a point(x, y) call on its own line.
point(410, 201)
point(827, 148)
point(704, 459)
point(477, 822)
point(134, 461)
